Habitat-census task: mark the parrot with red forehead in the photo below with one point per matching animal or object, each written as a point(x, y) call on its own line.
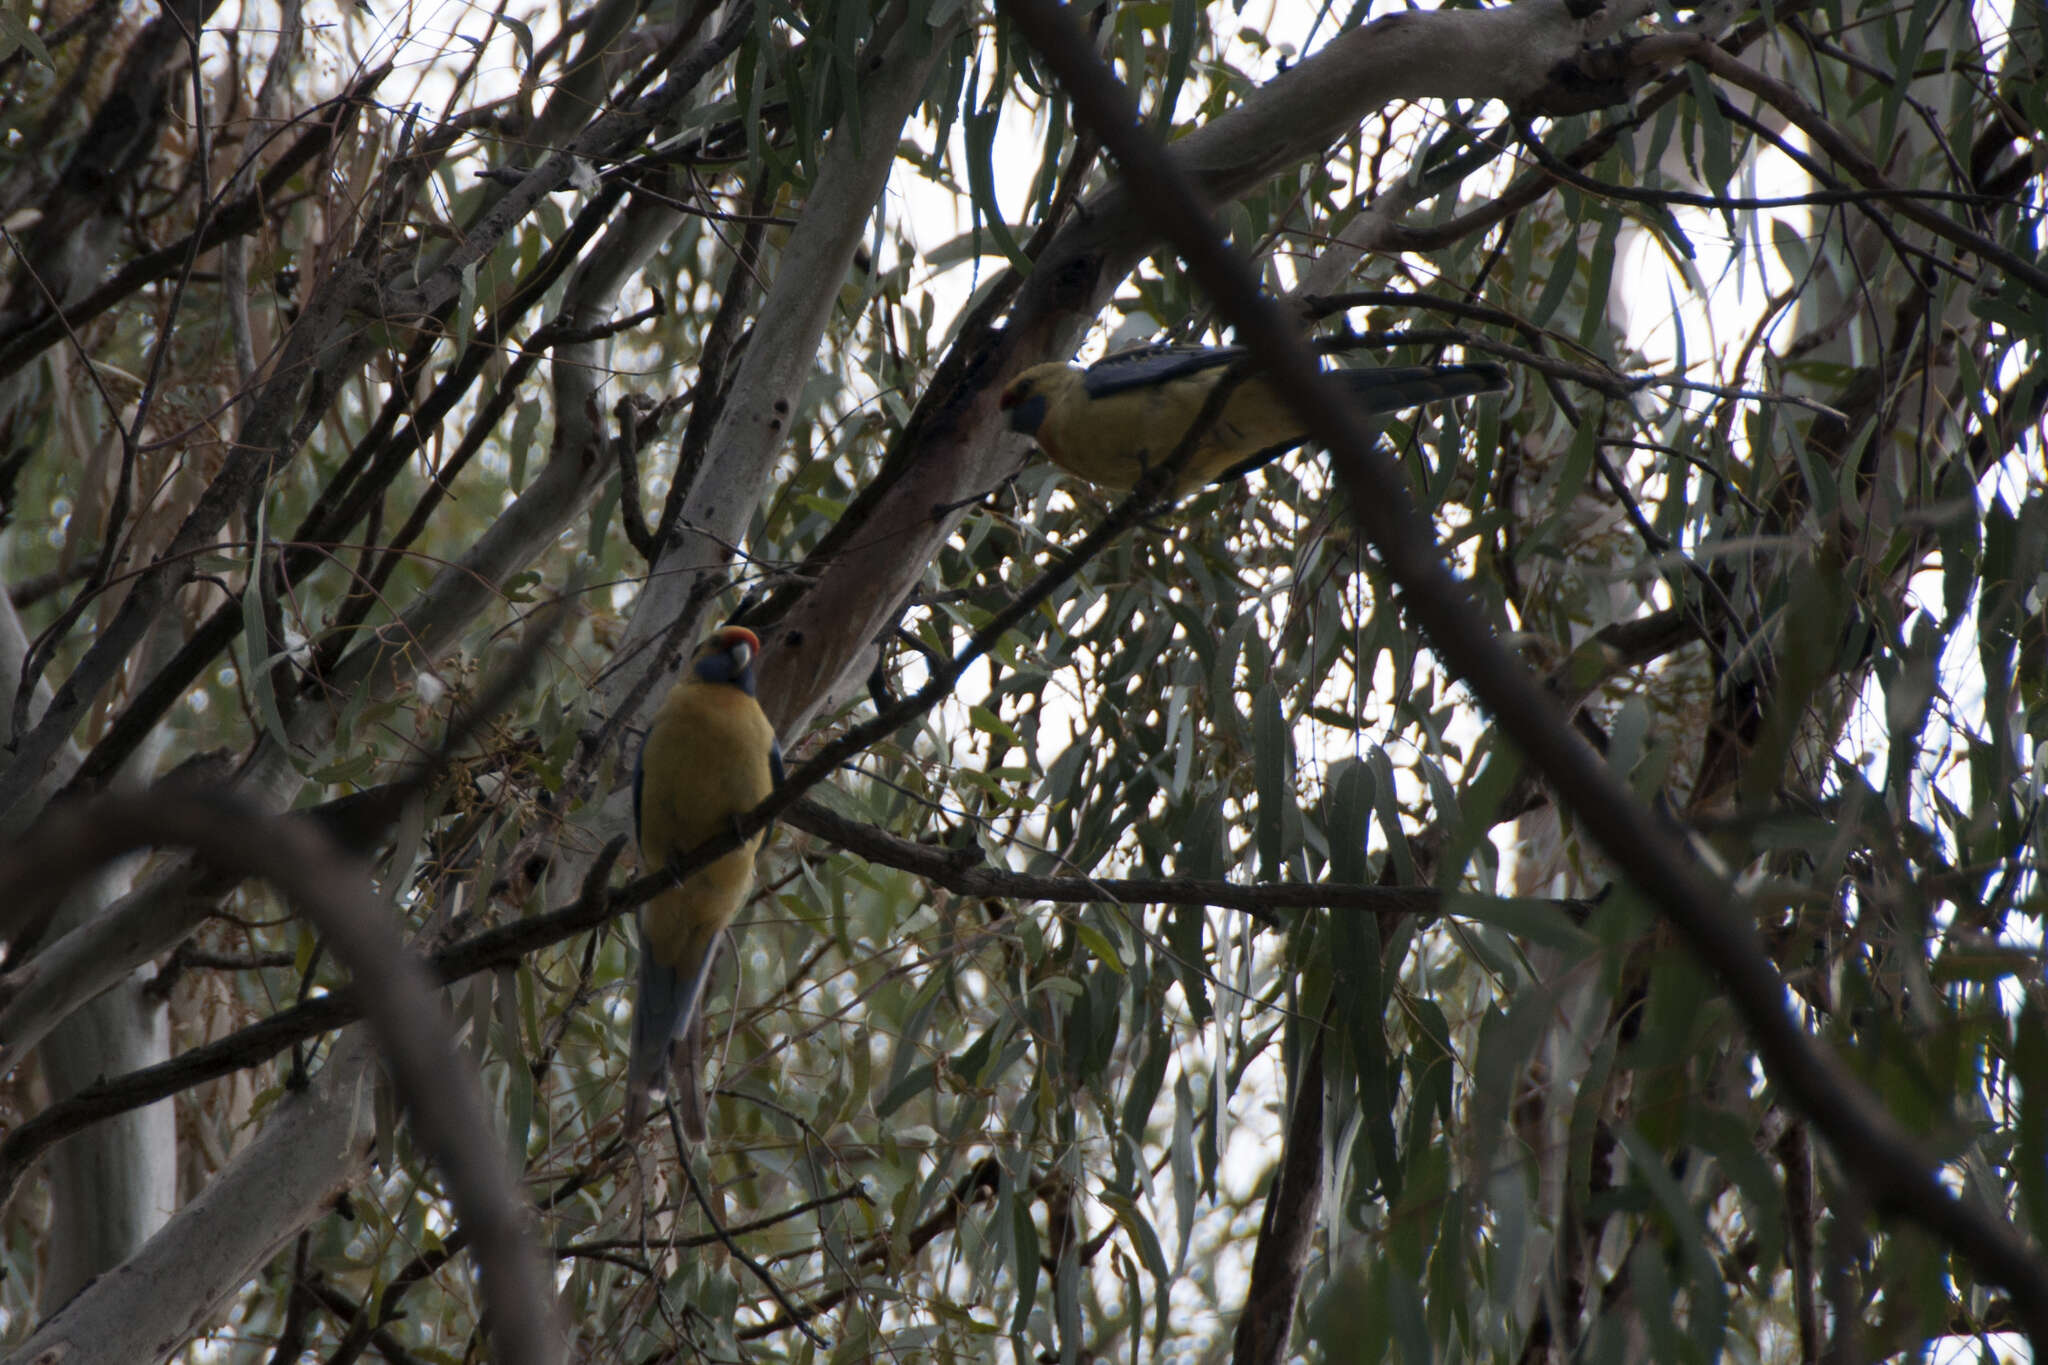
point(1129, 412)
point(710, 756)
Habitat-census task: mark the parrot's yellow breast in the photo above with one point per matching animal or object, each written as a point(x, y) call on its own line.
point(706, 762)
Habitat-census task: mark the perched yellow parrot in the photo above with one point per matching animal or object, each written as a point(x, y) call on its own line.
point(710, 757)
point(1128, 412)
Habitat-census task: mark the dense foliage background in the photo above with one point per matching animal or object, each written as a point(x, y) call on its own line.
point(1184, 967)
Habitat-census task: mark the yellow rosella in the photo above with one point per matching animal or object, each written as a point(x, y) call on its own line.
point(710, 756)
point(1129, 412)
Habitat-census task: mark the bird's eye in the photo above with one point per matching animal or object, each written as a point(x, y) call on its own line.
point(1013, 395)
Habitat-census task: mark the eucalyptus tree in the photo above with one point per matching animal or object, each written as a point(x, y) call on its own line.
point(1184, 931)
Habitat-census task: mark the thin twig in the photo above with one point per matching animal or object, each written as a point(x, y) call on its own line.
point(754, 1267)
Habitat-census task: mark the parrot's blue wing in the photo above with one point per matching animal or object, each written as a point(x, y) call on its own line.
point(1149, 365)
point(775, 779)
point(639, 777)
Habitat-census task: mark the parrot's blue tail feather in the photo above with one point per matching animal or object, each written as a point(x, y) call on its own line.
point(1396, 386)
point(663, 1010)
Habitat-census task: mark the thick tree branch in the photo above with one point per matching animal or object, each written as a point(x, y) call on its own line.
point(315, 1145)
point(716, 496)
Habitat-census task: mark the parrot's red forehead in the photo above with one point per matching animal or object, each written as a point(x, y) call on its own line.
point(737, 635)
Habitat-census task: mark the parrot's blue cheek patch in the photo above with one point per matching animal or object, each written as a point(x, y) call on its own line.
point(1028, 415)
